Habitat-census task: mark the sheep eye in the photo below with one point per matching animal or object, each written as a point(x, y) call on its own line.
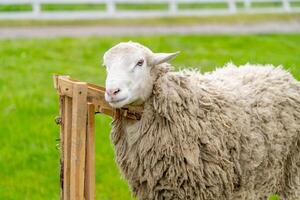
point(140, 63)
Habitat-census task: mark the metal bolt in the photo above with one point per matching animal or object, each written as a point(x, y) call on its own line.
point(58, 120)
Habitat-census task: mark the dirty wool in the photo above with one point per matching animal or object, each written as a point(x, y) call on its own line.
point(232, 134)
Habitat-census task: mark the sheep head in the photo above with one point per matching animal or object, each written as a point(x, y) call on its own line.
point(128, 66)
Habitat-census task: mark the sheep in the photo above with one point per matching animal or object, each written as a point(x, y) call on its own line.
point(232, 134)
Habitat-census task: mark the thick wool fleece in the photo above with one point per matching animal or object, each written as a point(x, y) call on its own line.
point(230, 134)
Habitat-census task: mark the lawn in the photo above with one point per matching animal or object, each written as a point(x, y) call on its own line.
point(28, 103)
point(227, 19)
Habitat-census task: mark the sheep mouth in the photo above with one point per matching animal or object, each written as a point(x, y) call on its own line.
point(118, 103)
point(118, 100)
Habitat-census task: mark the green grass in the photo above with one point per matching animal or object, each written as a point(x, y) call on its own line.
point(136, 6)
point(20, 7)
point(203, 6)
point(266, 4)
point(73, 7)
point(228, 19)
point(29, 104)
point(295, 4)
point(141, 7)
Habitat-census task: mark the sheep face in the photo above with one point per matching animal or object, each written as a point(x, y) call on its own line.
point(128, 67)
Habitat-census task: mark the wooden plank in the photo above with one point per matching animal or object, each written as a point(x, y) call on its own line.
point(62, 145)
point(67, 126)
point(55, 79)
point(65, 86)
point(79, 121)
point(89, 188)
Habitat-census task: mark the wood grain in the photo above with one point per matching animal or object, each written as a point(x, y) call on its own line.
point(90, 154)
point(79, 116)
point(67, 127)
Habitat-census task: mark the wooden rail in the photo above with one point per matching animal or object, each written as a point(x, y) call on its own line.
point(79, 102)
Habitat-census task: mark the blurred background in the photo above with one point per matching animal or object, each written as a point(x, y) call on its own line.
point(39, 38)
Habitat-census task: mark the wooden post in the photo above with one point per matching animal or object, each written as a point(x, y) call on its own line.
point(62, 143)
point(79, 112)
point(67, 129)
point(89, 188)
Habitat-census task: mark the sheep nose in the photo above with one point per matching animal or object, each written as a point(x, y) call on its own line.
point(113, 92)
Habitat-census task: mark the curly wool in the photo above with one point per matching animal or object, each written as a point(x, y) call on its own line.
point(230, 134)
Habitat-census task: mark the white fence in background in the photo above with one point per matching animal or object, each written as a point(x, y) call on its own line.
point(173, 9)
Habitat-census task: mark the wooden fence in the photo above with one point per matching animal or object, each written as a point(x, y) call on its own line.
point(79, 102)
point(173, 8)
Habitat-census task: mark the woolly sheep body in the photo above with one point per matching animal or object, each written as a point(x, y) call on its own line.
point(230, 134)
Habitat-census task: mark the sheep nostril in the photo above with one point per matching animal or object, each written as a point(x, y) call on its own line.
point(112, 92)
point(116, 91)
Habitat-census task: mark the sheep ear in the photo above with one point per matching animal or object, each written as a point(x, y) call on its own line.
point(159, 58)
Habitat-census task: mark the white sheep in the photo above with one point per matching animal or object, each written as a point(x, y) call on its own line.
point(230, 134)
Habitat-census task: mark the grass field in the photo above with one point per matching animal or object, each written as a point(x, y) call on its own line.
point(228, 19)
point(134, 6)
point(28, 103)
